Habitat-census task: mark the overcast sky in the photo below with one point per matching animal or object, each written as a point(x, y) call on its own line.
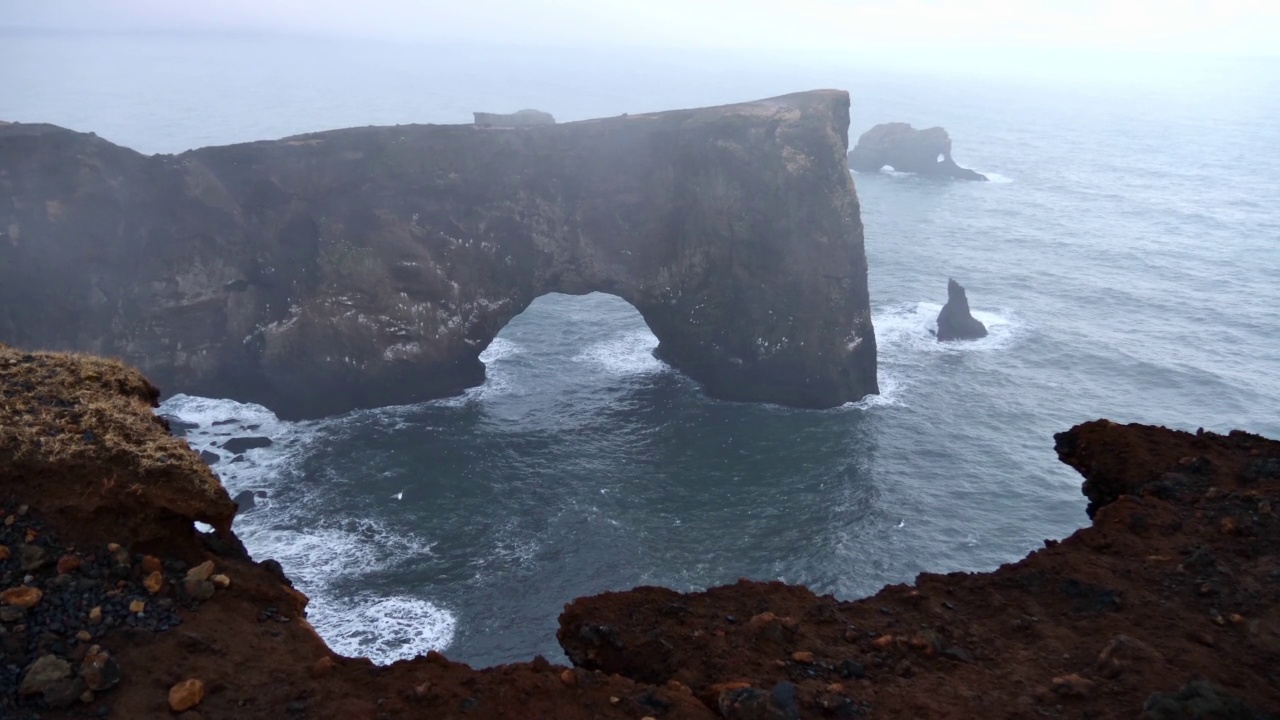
point(1249, 27)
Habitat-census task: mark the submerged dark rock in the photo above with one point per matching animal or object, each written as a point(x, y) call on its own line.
point(905, 149)
point(239, 445)
point(177, 426)
point(955, 322)
point(244, 500)
point(371, 266)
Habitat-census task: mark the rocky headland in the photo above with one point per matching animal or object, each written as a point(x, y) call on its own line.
point(905, 149)
point(112, 604)
point(371, 266)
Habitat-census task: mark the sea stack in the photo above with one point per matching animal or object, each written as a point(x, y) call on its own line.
point(905, 149)
point(955, 322)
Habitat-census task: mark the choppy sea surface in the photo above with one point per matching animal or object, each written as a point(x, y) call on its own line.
point(1126, 258)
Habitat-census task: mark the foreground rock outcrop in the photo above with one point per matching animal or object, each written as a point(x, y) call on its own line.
point(1169, 602)
point(1166, 607)
point(924, 152)
point(129, 612)
point(955, 322)
point(371, 266)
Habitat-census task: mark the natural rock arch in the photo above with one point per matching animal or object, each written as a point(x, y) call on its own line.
point(371, 266)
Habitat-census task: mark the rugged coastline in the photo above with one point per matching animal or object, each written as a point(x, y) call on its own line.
point(1166, 602)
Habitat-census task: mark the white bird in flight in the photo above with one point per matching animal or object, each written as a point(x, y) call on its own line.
point(399, 495)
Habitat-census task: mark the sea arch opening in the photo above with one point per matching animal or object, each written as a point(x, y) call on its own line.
point(572, 346)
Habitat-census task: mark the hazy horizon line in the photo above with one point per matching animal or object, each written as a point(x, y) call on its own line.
point(853, 51)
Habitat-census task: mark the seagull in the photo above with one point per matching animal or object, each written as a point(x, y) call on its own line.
point(399, 495)
point(902, 523)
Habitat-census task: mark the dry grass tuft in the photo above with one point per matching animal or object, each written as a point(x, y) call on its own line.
point(63, 410)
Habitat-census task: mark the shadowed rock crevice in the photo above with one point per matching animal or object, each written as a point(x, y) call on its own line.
point(371, 266)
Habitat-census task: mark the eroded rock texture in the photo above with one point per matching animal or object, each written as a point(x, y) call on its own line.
point(905, 149)
point(371, 266)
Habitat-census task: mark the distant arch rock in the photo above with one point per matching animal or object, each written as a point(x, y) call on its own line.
point(905, 149)
point(371, 266)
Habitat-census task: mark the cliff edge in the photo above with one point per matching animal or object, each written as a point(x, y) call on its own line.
point(371, 266)
point(113, 605)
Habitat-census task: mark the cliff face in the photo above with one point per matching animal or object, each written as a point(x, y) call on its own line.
point(371, 266)
point(1168, 606)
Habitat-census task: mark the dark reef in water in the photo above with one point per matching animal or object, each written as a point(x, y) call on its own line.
point(1164, 607)
point(905, 149)
point(371, 266)
point(955, 322)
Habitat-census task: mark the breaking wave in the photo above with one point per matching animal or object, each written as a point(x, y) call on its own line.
point(328, 553)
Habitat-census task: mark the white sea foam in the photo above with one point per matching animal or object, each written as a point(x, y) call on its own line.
point(904, 337)
point(497, 379)
point(890, 395)
point(906, 328)
point(324, 558)
point(498, 349)
point(629, 353)
point(385, 628)
point(997, 178)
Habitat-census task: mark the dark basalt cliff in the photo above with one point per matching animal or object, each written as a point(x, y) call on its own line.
point(371, 266)
point(1167, 607)
point(924, 152)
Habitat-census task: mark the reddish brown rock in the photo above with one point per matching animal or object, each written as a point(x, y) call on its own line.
point(153, 582)
point(23, 597)
point(322, 667)
point(201, 572)
point(186, 694)
point(1073, 686)
point(99, 670)
point(68, 564)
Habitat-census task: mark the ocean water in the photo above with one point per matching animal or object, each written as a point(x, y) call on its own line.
point(1126, 258)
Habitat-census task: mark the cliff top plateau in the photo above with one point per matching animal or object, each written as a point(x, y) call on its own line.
point(113, 605)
